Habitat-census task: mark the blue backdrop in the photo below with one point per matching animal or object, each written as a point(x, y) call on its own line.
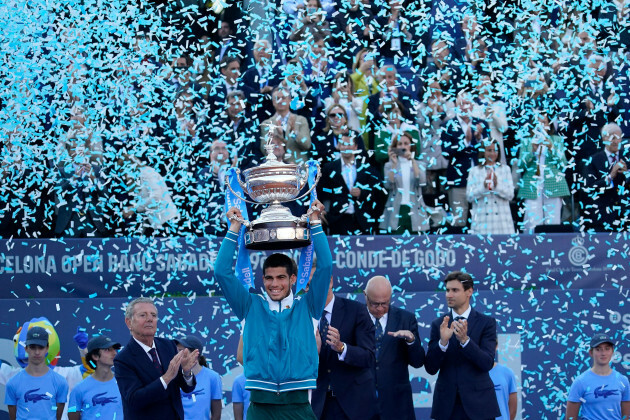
point(546, 304)
point(177, 266)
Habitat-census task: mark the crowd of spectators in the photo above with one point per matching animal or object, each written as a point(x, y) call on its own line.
point(442, 117)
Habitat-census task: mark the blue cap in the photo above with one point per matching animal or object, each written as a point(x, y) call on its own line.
point(37, 336)
point(101, 342)
point(190, 342)
point(601, 338)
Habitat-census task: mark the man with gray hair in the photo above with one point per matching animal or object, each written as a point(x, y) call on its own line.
point(150, 371)
point(597, 107)
point(606, 184)
point(397, 347)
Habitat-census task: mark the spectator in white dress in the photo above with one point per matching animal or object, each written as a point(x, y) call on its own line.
point(490, 189)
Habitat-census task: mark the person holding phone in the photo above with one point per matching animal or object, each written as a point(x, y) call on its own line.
point(394, 126)
point(489, 189)
point(406, 210)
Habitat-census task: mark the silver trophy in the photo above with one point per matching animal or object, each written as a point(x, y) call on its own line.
point(275, 182)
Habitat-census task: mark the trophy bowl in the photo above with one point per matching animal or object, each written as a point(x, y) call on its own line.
point(272, 183)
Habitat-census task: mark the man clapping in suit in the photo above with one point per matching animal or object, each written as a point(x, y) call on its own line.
point(606, 184)
point(150, 371)
point(397, 346)
point(345, 382)
point(461, 348)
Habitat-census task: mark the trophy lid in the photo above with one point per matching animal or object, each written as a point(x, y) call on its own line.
point(271, 160)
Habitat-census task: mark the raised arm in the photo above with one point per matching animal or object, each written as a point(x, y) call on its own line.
point(316, 296)
point(237, 297)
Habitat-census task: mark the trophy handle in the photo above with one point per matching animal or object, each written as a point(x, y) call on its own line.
point(242, 221)
point(240, 181)
point(319, 174)
point(227, 182)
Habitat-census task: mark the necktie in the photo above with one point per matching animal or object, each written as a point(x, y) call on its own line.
point(613, 160)
point(156, 362)
point(459, 318)
point(379, 336)
point(323, 328)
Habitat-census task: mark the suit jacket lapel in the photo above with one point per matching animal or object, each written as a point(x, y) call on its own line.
point(143, 360)
point(335, 321)
point(393, 324)
point(392, 320)
point(335, 318)
point(472, 318)
point(162, 353)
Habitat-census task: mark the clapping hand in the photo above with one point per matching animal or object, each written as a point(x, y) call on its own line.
point(461, 330)
point(333, 339)
point(173, 367)
point(619, 167)
point(189, 359)
point(446, 332)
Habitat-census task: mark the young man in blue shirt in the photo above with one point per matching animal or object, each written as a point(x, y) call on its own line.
point(505, 387)
point(36, 391)
point(97, 396)
point(240, 398)
point(206, 400)
point(600, 393)
point(279, 348)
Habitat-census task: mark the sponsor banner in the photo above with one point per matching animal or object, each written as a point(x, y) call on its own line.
point(543, 334)
point(184, 267)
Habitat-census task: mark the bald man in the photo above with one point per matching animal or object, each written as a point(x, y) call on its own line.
point(397, 346)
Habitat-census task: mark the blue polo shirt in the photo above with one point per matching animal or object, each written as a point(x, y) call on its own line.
point(36, 397)
point(600, 396)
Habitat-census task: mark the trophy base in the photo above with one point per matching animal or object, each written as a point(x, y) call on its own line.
point(276, 229)
point(273, 236)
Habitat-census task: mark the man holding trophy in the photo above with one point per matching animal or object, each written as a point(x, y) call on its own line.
point(279, 351)
point(279, 348)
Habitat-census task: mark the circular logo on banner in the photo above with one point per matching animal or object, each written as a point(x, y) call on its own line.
point(578, 254)
point(615, 317)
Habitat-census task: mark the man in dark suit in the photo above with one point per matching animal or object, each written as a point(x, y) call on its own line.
point(607, 183)
point(460, 144)
point(397, 346)
point(390, 92)
point(228, 44)
point(227, 83)
point(345, 382)
point(150, 371)
point(260, 80)
point(351, 191)
point(461, 349)
point(597, 107)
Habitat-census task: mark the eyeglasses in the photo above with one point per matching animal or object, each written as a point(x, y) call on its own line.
point(377, 304)
point(336, 115)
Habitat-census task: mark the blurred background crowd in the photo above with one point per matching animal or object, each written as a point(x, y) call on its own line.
point(439, 116)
